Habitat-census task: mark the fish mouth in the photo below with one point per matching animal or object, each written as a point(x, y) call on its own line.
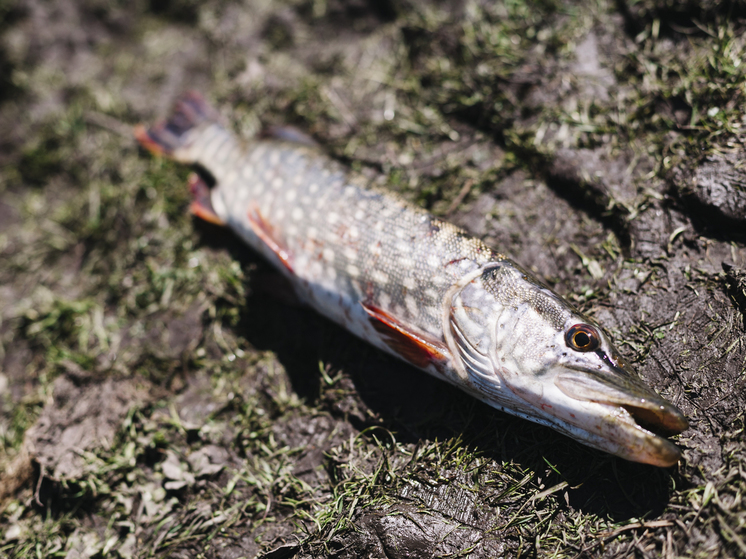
point(638, 420)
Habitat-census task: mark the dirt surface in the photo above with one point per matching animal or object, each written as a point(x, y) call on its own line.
point(159, 399)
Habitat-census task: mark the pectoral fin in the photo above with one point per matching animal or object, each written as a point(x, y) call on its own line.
point(415, 348)
point(266, 233)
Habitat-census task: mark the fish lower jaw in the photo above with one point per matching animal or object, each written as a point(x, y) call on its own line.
point(613, 429)
point(606, 427)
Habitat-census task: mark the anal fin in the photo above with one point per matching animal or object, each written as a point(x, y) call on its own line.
point(201, 205)
point(413, 347)
point(266, 233)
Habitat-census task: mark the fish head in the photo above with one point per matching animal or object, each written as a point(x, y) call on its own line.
point(524, 349)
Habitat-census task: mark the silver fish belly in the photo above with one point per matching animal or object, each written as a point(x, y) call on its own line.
point(420, 288)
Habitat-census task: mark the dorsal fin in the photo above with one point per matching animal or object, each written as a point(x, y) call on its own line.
point(291, 134)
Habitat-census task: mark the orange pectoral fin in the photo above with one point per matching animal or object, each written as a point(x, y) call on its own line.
point(266, 233)
point(414, 348)
point(201, 205)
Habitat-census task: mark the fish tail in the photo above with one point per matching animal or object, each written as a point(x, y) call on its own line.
point(182, 135)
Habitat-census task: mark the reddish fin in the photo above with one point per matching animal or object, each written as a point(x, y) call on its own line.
point(415, 348)
point(164, 138)
point(201, 205)
point(266, 233)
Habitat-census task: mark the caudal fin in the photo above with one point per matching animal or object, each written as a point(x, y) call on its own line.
point(168, 137)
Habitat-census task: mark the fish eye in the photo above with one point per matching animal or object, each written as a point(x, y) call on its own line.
point(582, 337)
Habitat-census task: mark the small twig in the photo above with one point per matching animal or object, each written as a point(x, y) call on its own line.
point(109, 123)
point(604, 537)
point(269, 504)
point(463, 193)
point(636, 526)
point(38, 486)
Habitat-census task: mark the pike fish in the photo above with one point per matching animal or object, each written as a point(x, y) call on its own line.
point(417, 287)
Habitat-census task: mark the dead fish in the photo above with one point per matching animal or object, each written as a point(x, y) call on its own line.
point(418, 287)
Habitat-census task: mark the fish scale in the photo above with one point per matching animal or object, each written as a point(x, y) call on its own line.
point(418, 287)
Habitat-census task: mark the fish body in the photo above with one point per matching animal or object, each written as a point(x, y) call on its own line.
point(418, 287)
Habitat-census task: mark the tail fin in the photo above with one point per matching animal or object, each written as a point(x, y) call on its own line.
point(165, 138)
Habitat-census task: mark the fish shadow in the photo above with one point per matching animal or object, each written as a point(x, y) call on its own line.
point(416, 407)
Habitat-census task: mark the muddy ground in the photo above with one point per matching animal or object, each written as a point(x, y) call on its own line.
point(159, 399)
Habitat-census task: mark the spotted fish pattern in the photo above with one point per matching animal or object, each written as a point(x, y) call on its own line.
point(345, 238)
point(416, 286)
